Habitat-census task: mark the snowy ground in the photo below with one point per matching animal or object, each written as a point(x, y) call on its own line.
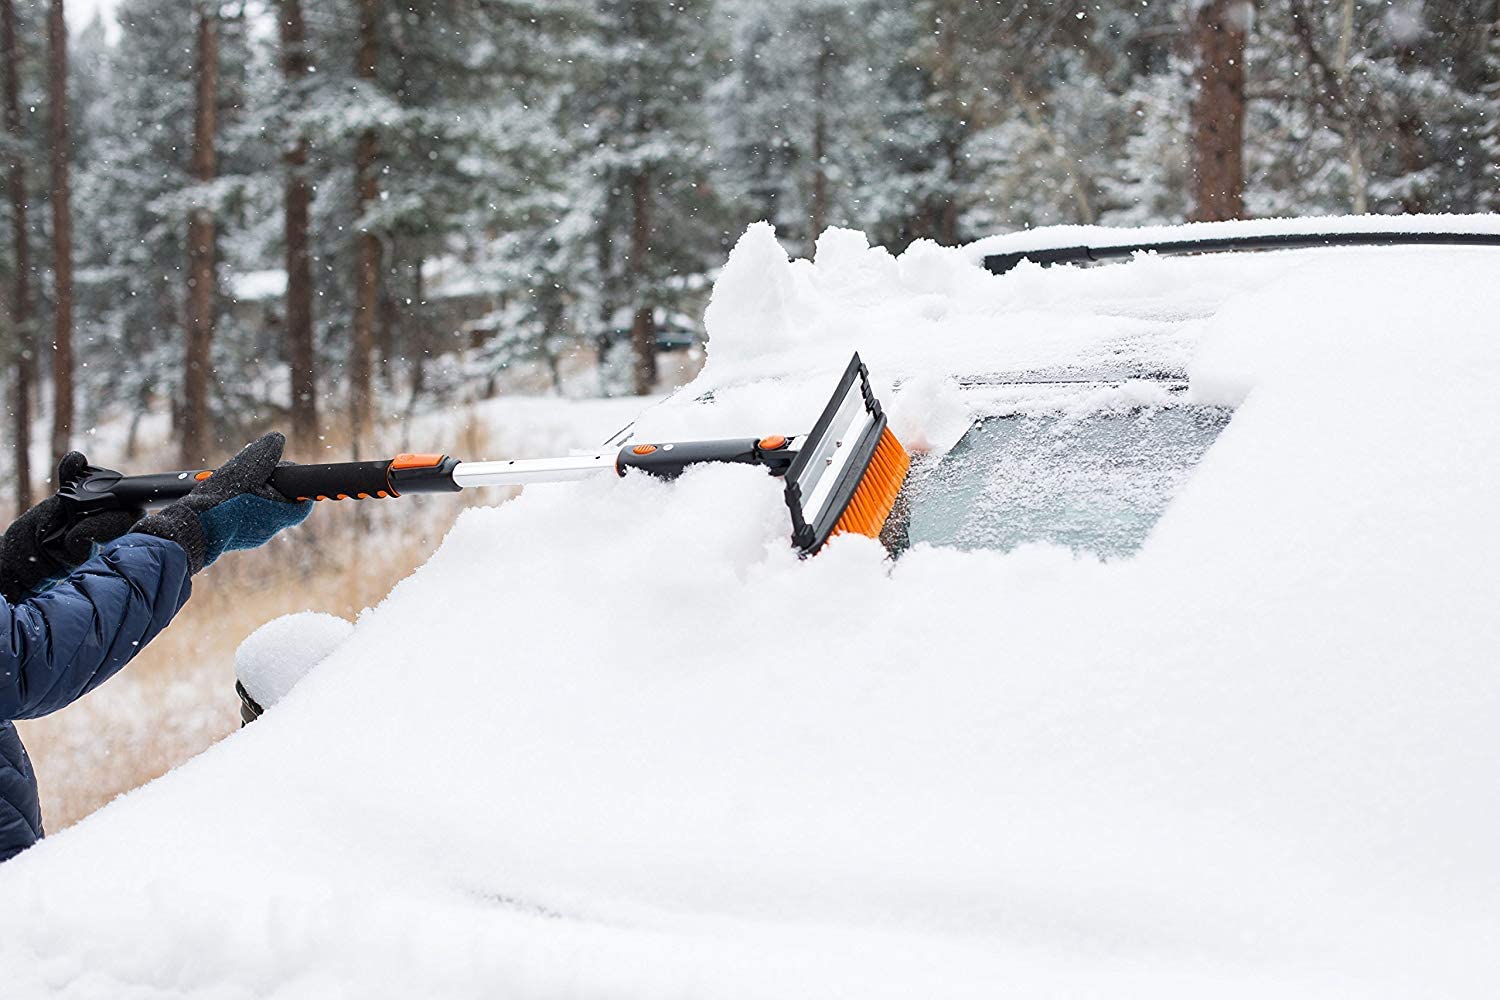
point(614, 740)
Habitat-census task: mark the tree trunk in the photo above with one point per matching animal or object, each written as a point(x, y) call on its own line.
point(819, 149)
point(20, 304)
point(202, 293)
point(604, 248)
point(367, 243)
point(1411, 137)
point(419, 347)
point(1358, 185)
point(953, 122)
point(297, 204)
point(1218, 116)
point(643, 328)
point(62, 230)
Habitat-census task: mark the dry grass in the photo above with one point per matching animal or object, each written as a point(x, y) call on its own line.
point(177, 697)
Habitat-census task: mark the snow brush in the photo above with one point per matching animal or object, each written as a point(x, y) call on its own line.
point(842, 476)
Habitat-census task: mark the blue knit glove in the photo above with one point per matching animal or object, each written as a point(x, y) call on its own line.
point(235, 508)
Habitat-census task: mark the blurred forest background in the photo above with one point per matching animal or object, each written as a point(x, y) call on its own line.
point(325, 216)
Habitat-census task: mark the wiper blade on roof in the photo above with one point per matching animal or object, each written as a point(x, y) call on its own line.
point(999, 263)
point(1171, 382)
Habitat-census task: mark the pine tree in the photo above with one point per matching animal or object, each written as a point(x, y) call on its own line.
point(1149, 181)
point(22, 359)
point(61, 155)
point(799, 114)
point(1489, 196)
point(202, 290)
point(1220, 28)
point(1368, 108)
point(642, 107)
point(464, 166)
point(367, 241)
point(137, 196)
point(958, 52)
point(130, 243)
point(296, 209)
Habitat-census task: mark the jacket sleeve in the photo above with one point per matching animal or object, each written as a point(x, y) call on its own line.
point(57, 646)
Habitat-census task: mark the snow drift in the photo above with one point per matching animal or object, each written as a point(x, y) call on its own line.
point(615, 740)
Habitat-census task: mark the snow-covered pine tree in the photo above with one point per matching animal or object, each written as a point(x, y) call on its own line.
point(960, 53)
point(132, 251)
point(1070, 112)
point(1450, 111)
point(460, 103)
point(1361, 108)
point(1147, 184)
point(533, 236)
point(1489, 178)
point(477, 87)
point(1027, 110)
point(798, 113)
point(640, 102)
point(133, 197)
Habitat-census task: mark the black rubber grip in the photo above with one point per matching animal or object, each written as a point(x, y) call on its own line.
point(140, 491)
point(105, 489)
point(670, 459)
point(335, 481)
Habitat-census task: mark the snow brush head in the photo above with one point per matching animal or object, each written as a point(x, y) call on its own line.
point(849, 468)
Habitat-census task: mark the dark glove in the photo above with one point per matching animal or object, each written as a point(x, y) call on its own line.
point(50, 540)
point(235, 508)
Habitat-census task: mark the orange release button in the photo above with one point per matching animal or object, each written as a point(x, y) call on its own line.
point(407, 461)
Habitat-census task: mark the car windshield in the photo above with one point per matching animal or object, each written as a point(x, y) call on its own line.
point(1095, 484)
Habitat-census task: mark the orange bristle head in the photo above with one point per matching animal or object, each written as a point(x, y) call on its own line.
point(872, 501)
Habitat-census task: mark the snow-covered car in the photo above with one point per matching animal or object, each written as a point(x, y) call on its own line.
point(1183, 680)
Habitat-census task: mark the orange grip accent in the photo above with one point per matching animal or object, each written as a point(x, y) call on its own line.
point(203, 475)
point(408, 461)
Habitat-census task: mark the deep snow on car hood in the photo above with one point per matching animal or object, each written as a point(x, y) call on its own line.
point(615, 740)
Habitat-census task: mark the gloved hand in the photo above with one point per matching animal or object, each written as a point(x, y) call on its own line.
point(235, 508)
point(49, 541)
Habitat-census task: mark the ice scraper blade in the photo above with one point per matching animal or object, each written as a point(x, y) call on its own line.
point(849, 468)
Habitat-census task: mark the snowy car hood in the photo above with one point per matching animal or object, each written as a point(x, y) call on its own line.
point(614, 739)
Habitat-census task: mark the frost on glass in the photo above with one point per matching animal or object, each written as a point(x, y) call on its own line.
point(1095, 484)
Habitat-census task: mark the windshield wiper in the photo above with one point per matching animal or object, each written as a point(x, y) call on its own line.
point(999, 263)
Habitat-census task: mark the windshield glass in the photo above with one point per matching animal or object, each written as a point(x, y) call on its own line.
point(1095, 484)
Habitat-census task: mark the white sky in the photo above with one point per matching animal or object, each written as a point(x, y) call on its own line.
point(81, 12)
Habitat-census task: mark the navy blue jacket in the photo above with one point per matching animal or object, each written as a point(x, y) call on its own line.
point(57, 646)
